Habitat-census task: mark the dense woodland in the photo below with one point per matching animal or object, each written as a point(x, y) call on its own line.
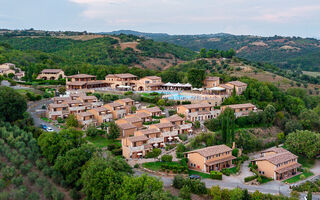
point(303, 53)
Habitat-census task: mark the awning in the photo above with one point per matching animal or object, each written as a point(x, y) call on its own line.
point(124, 86)
point(176, 138)
point(139, 154)
point(216, 89)
point(155, 145)
point(170, 138)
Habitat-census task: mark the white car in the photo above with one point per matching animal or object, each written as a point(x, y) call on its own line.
point(49, 129)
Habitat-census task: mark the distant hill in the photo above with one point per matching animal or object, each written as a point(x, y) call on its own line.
point(76, 52)
point(285, 52)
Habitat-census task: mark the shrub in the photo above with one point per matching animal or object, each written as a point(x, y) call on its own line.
point(25, 168)
point(128, 93)
point(185, 192)
point(33, 196)
point(2, 185)
point(178, 182)
point(183, 137)
point(250, 178)
point(32, 177)
point(47, 171)
point(75, 194)
point(8, 172)
point(172, 112)
point(216, 175)
point(225, 172)
point(4, 196)
point(41, 163)
point(166, 158)
point(60, 120)
point(259, 179)
point(302, 177)
point(117, 152)
point(197, 124)
point(17, 181)
point(235, 152)
point(136, 165)
point(154, 153)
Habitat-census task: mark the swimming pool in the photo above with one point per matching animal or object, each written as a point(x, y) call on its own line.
point(180, 97)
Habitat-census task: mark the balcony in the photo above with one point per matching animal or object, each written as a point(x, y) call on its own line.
point(89, 121)
point(139, 148)
point(170, 133)
point(155, 140)
point(185, 126)
point(79, 108)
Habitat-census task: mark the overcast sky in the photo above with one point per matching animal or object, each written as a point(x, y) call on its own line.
point(254, 17)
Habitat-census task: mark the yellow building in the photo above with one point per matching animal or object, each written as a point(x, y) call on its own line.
point(51, 74)
point(198, 112)
point(277, 163)
point(212, 158)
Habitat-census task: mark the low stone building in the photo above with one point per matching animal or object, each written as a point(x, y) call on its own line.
point(51, 74)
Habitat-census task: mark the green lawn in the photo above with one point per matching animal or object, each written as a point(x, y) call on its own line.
point(101, 142)
point(203, 175)
point(297, 178)
point(232, 170)
point(305, 162)
point(265, 179)
point(156, 166)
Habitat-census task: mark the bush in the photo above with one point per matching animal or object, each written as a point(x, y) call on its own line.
point(183, 137)
point(172, 112)
point(185, 192)
point(8, 172)
point(75, 194)
point(60, 120)
point(33, 196)
point(302, 177)
point(41, 163)
point(225, 172)
point(250, 178)
point(32, 177)
point(2, 185)
point(128, 93)
point(154, 153)
point(259, 179)
point(166, 158)
point(216, 175)
point(17, 181)
point(178, 182)
point(117, 152)
point(235, 152)
point(136, 165)
point(25, 168)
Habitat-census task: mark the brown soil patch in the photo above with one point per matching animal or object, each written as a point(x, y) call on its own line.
point(81, 37)
point(260, 43)
point(242, 49)
point(291, 48)
point(214, 39)
point(132, 45)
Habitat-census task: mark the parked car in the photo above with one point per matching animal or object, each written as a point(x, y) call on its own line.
point(44, 127)
point(193, 176)
point(49, 129)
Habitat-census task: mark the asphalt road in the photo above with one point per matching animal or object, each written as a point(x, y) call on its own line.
point(273, 187)
point(34, 107)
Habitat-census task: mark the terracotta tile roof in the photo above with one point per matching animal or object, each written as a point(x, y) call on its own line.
point(126, 100)
point(174, 118)
point(275, 149)
point(226, 86)
point(100, 109)
point(149, 131)
point(126, 126)
point(209, 151)
point(62, 105)
point(152, 110)
point(126, 75)
point(153, 77)
point(114, 104)
point(133, 119)
point(51, 70)
point(138, 138)
point(245, 105)
point(85, 114)
point(237, 83)
point(213, 162)
point(81, 76)
point(164, 125)
point(198, 105)
point(212, 78)
point(87, 97)
point(72, 101)
point(140, 115)
point(278, 158)
point(61, 98)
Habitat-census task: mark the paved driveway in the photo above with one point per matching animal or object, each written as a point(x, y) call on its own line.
point(34, 108)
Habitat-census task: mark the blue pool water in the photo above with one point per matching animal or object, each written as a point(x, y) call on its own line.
point(179, 97)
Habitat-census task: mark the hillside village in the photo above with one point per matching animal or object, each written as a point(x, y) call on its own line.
point(202, 124)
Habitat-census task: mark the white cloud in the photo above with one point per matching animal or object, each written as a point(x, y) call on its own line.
point(187, 15)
